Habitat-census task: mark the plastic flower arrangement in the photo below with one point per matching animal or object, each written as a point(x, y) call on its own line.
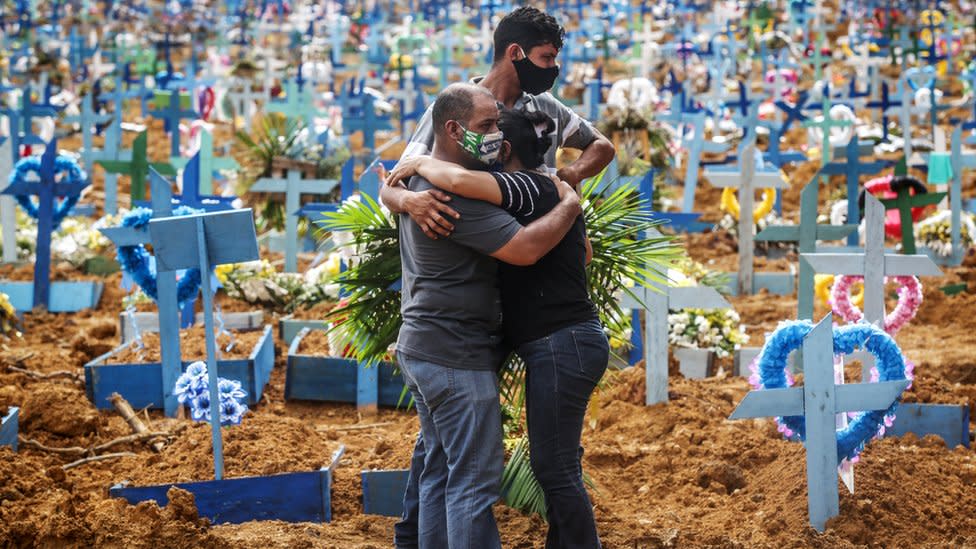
point(934, 232)
point(8, 317)
point(78, 240)
point(258, 283)
point(717, 330)
point(193, 388)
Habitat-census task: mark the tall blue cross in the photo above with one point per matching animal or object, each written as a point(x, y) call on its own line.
point(205, 241)
point(47, 190)
point(359, 114)
point(293, 187)
point(166, 294)
point(192, 183)
point(853, 169)
point(819, 400)
point(172, 115)
point(884, 104)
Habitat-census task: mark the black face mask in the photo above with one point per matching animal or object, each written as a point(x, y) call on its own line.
point(534, 79)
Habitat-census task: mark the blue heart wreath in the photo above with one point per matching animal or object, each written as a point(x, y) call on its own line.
point(135, 260)
point(74, 174)
point(891, 367)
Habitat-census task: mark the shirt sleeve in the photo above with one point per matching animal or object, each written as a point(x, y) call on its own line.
point(482, 227)
point(574, 132)
point(520, 193)
point(422, 140)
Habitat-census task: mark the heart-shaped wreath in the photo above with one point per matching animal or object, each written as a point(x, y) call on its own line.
point(909, 300)
point(136, 261)
point(771, 373)
point(73, 174)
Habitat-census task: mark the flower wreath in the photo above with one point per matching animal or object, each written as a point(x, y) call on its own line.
point(909, 300)
point(770, 373)
point(887, 186)
point(74, 174)
point(135, 260)
point(822, 284)
point(730, 203)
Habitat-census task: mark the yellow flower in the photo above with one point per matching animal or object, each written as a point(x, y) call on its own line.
point(223, 271)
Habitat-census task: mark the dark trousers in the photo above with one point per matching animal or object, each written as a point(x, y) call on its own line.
point(562, 370)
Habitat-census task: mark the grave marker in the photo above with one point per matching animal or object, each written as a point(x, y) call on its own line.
point(137, 168)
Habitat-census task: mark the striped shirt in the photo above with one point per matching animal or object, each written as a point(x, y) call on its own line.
point(571, 130)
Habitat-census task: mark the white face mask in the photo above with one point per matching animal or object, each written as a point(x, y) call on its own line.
point(483, 146)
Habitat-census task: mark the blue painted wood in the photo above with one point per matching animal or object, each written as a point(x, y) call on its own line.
point(383, 492)
point(47, 190)
point(229, 236)
point(775, 283)
point(290, 497)
point(9, 428)
point(141, 384)
point(65, 296)
point(333, 379)
point(948, 421)
point(289, 328)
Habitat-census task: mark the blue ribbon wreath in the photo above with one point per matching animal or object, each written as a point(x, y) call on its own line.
point(137, 263)
point(890, 362)
point(74, 174)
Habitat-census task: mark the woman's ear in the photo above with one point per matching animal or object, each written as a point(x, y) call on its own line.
point(505, 152)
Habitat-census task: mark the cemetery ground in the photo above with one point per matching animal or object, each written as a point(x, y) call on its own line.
point(671, 475)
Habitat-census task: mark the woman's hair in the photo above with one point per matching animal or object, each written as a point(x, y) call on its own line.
point(528, 133)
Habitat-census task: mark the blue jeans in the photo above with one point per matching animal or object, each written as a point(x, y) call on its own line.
point(456, 469)
point(561, 371)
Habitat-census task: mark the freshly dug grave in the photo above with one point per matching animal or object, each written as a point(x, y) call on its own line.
point(193, 346)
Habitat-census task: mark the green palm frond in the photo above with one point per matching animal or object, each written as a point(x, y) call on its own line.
point(520, 489)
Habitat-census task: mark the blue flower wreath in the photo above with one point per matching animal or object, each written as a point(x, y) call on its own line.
point(136, 261)
point(891, 367)
point(74, 174)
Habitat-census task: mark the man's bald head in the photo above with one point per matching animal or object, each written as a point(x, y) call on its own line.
point(461, 102)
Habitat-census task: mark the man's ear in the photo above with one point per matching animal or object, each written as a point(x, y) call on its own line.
point(453, 130)
point(515, 52)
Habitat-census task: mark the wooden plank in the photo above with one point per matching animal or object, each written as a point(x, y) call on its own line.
point(228, 234)
point(367, 388)
point(383, 492)
point(141, 384)
point(821, 437)
point(948, 421)
point(868, 396)
point(774, 283)
point(9, 428)
point(149, 322)
point(289, 328)
point(786, 402)
point(289, 497)
point(65, 296)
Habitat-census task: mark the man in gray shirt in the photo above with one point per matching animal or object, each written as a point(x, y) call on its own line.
point(449, 345)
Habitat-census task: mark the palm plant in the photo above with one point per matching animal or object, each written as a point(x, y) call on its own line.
point(627, 249)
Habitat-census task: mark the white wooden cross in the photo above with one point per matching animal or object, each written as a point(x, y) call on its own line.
point(818, 401)
point(905, 111)
point(8, 207)
point(656, 300)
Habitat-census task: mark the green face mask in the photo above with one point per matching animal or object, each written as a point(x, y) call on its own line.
point(483, 146)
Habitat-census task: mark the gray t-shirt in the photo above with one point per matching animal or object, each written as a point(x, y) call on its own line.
point(450, 302)
point(572, 131)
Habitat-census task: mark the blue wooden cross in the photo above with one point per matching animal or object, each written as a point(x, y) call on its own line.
point(298, 103)
point(806, 235)
point(293, 186)
point(22, 121)
point(359, 114)
point(885, 105)
point(696, 146)
point(819, 400)
point(166, 294)
point(679, 221)
point(192, 194)
point(960, 161)
point(88, 121)
point(47, 190)
point(205, 241)
point(172, 116)
point(853, 169)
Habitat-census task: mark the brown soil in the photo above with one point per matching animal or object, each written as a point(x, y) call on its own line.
point(315, 343)
point(319, 311)
point(193, 346)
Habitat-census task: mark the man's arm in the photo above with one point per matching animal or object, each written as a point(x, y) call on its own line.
point(595, 157)
point(536, 239)
point(427, 208)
